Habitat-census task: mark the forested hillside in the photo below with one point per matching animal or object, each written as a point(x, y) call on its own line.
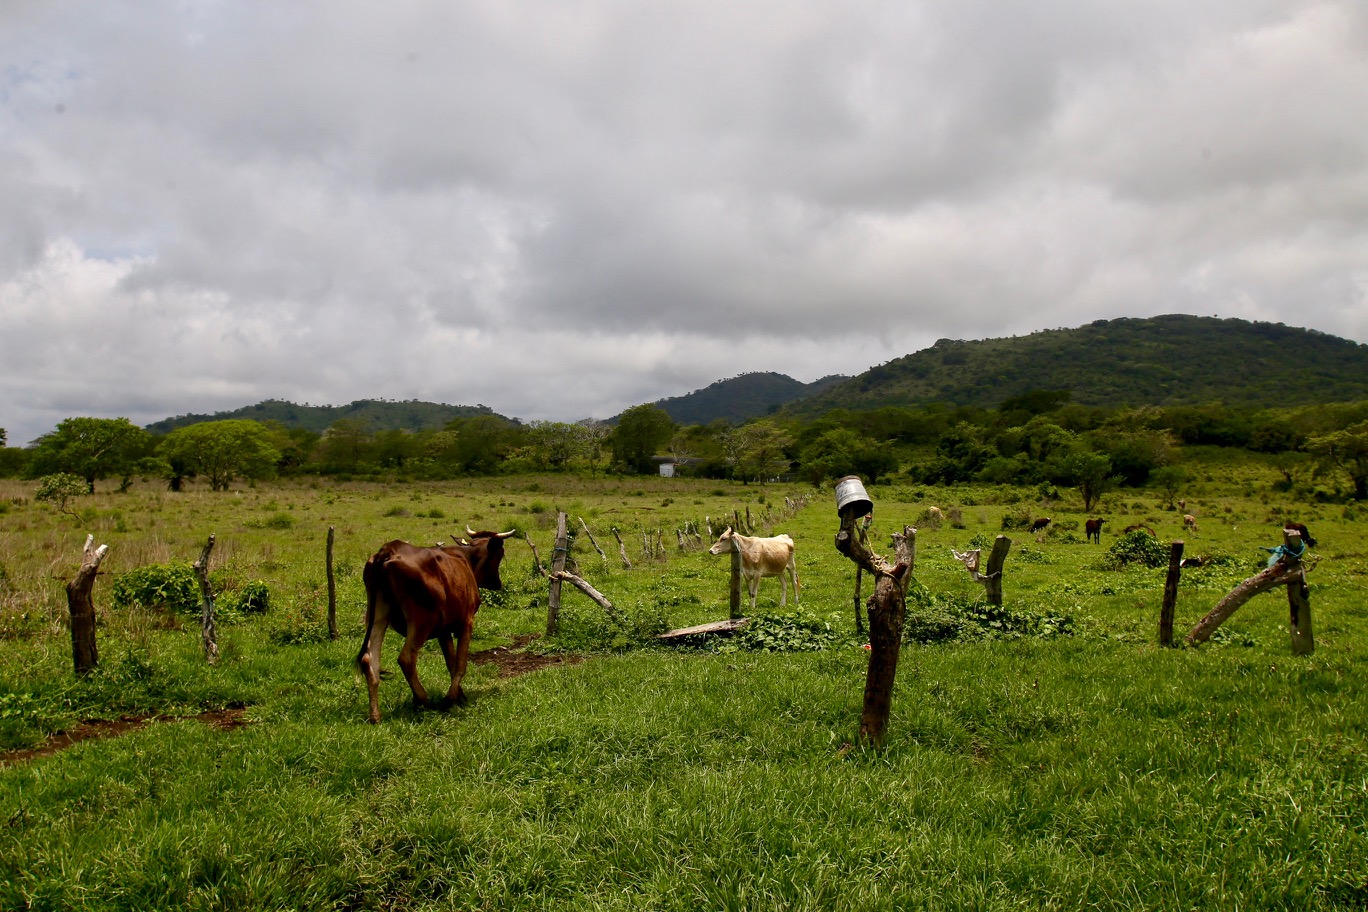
point(741, 398)
point(1166, 360)
point(377, 415)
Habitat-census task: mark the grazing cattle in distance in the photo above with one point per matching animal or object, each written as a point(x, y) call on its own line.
point(1040, 524)
point(1190, 522)
point(762, 557)
point(1193, 562)
point(1139, 527)
point(1093, 528)
point(1302, 531)
point(424, 593)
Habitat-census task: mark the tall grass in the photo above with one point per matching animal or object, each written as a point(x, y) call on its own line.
point(1085, 771)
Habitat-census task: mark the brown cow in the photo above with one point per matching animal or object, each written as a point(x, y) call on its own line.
point(422, 593)
point(1093, 528)
point(1040, 524)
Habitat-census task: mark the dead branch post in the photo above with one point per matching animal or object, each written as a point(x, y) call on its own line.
point(593, 541)
point(84, 653)
point(208, 631)
point(1175, 570)
point(558, 556)
point(622, 549)
point(332, 589)
point(1288, 570)
point(887, 610)
point(536, 556)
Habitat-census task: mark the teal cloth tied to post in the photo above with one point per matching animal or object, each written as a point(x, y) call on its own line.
point(1278, 553)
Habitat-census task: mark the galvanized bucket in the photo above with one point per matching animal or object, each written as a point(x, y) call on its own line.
point(850, 494)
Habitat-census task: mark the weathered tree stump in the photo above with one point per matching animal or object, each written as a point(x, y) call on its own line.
point(992, 582)
point(84, 653)
point(1170, 603)
point(887, 611)
point(593, 541)
point(208, 629)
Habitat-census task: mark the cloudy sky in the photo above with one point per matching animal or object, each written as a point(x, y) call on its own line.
point(563, 209)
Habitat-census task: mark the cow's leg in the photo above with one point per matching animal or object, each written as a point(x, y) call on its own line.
point(456, 661)
point(408, 661)
point(793, 572)
point(783, 590)
point(754, 583)
point(370, 664)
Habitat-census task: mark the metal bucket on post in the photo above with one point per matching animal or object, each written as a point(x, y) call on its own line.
point(851, 497)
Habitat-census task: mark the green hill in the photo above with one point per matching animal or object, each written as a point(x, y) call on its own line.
point(740, 398)
point(379, 414)
point(1165, 360)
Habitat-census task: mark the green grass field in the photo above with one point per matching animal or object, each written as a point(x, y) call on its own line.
point(1085, 769)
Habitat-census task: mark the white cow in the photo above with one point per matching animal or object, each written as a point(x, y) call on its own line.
point(762, 557)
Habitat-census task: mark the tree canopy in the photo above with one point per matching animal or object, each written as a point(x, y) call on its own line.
point(222, 451)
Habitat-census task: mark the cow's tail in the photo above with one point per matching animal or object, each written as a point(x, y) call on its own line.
point(372, 586)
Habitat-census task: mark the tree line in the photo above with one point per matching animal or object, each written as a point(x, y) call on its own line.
point(1037, 438)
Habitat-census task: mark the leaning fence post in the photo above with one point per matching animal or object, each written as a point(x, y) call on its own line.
point(1286, 570)
point(1170, 594)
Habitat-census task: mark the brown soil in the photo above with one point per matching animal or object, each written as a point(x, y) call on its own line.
point(511, 661)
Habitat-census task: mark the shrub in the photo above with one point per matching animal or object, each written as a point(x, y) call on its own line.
point(251, 598)
point(1138, 547)
point(170, 586)
point(300, 625)
point(798, 632)
point(935, 618)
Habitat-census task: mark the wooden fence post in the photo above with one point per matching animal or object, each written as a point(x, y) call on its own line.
point(84, 653)
point(735, 593)
point(332, 590)
point(1299, 601)
point(1170, 594)
point(558, 555)
point(859, 621)
point(993, 581)
point(208, 631)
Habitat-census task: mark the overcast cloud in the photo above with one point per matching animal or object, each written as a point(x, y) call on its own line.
point(560, 210)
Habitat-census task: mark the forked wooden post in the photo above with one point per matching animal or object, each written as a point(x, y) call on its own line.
point(84, 653)
point(1175, 570)
point(332, 589)
point(208, 630)
point(887, 612)
point(558, 555)
point(1299, 625)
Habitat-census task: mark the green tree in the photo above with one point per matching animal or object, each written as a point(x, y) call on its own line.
point(757, 450)
point(841, 451)
point(1346, 450)
point(222, 451)
point(1090, 472)
point(93, 448)
point(555, 443)
point(346, 445)
point(640, 433)
point(1170, 479)
point(60, 488)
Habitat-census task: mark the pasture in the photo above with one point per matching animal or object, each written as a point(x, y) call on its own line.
point(1049, 758)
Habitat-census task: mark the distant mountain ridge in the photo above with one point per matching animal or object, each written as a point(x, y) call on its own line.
point(379, 415)
point(1165, 360)
point(741, 398)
